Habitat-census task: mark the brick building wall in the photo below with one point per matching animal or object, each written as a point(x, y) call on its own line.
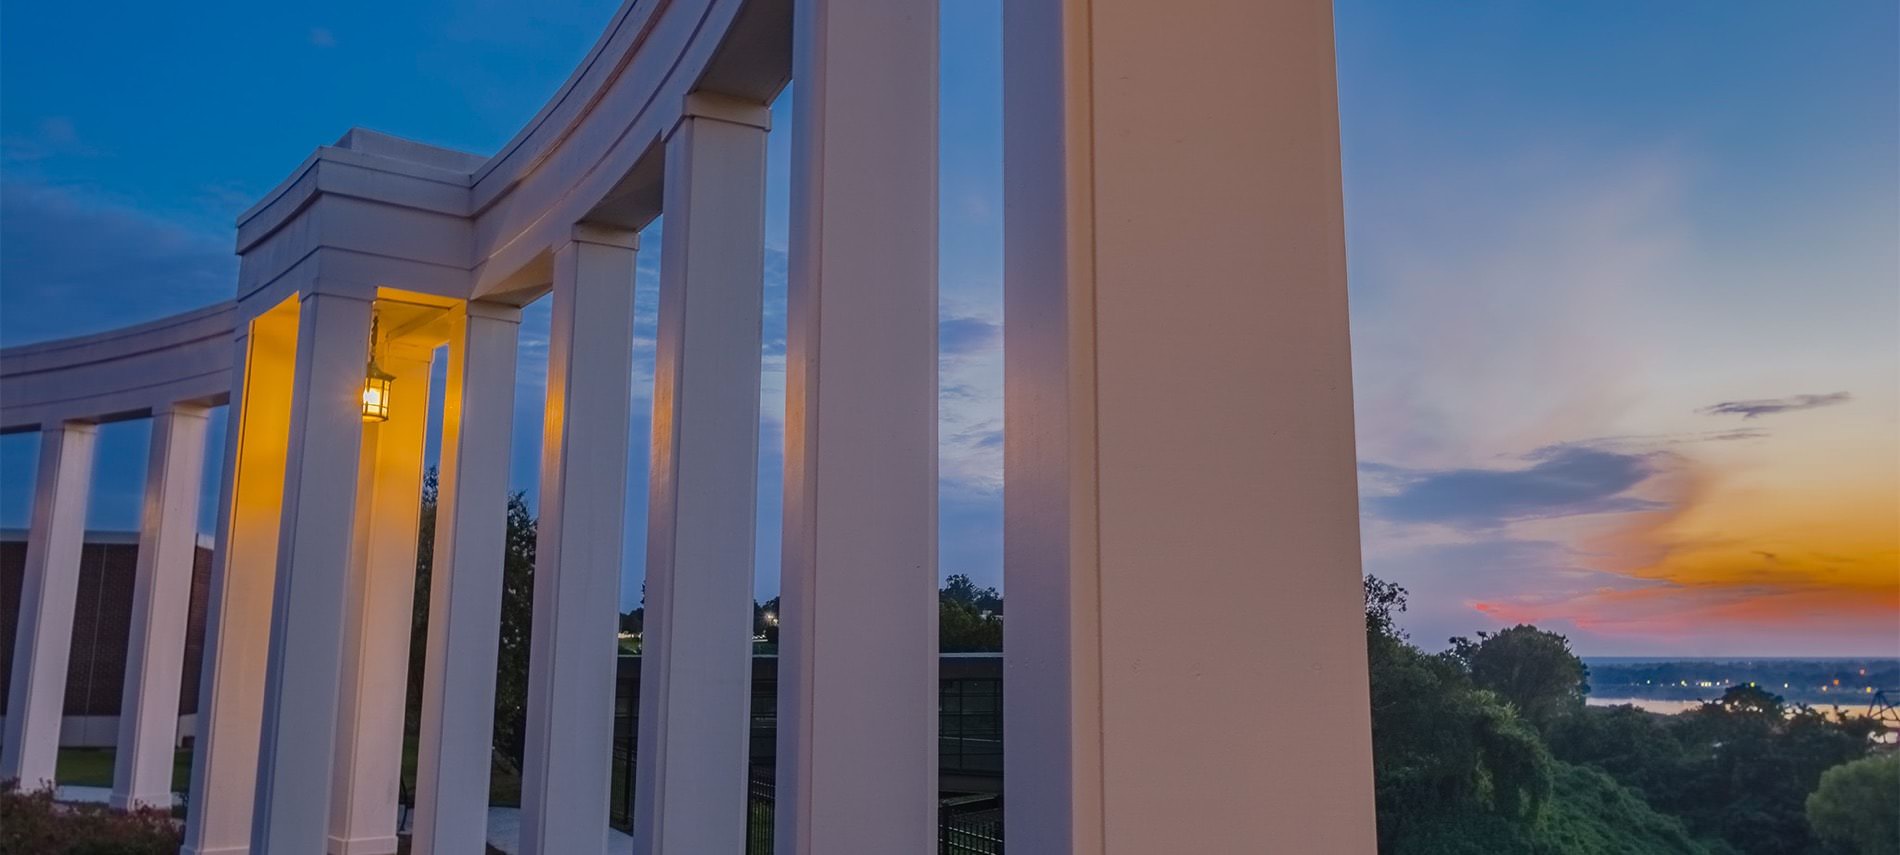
point(102, 621)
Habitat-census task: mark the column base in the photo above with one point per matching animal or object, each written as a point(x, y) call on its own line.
point(161, 801)
point(362, 846)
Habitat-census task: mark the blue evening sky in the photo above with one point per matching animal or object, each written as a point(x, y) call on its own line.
point(1570, 226)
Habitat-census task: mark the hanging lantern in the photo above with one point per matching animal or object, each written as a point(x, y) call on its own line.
point(376, 383)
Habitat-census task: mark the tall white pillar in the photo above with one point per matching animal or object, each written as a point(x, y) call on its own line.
point(243, 574)
point(161, 603)
point(379, 609)
point(43, 637)
point(696, 655)
point(296, 752)
point(1181, 536)
point(564, 789)
point(465, 583)
point(857, 715)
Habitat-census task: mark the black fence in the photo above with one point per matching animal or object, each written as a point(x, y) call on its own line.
point(970, 752)
point(970, 825)
point(760, 799)
point(966, 825)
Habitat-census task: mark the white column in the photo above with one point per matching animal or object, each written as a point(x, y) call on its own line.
point(465, 583)
point(1181, 541)
point(243, 574)
point(564, 789)
point(296, 752)
point(43, 636)
point(857, 715)
point(380, 601)
point(696, 655)
point(161, 603)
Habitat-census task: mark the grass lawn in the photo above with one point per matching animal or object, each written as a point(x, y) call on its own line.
point(504, 784)
point(92, 767)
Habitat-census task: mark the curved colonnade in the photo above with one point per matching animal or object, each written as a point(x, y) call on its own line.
point(1178, 404)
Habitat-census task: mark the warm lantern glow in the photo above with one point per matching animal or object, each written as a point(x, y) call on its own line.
point(376, 382)
point(376, 388)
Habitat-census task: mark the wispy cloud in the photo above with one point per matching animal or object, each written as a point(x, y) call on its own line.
point(970, 402)
point(967, 335)
point(67, 246)
point(1769, 406)
point(1559, 481)
point(51, 136)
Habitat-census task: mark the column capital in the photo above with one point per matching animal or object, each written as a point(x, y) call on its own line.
point(497, 311)
point(186, 409)
point(74, 425)
point(599, 235)
point(722, 108)
point(408, 351)
point(327, 294)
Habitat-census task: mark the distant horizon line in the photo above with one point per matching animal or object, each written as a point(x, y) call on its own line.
point(1739, 658)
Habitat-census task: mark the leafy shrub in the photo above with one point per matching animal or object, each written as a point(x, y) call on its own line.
point(1857, 806)
point(32, 823)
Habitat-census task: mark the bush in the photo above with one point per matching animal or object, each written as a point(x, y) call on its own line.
point(1857, 806)
point(34, 823)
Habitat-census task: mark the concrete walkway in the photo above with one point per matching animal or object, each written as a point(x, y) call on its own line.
point(94, 795)
point(504, 833)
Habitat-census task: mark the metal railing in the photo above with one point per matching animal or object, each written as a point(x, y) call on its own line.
point(970, 752)
point(970, 825)
point(966, 825)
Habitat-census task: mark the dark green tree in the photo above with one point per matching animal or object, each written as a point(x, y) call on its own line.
point(517, 617)
point(1738, 769)
point(1856, 808)
point(960, 589)
point(1754, 764)
point(962, 629)
point(1529, 668)
point(765, 619)
point(419, 616)
point(1457, 770)
point(1384, 602)
point(1440, 746)
point(969, 618)
point(1636, 747)
point(517, 625)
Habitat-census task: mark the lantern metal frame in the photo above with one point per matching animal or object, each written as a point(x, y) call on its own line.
point(377, 383)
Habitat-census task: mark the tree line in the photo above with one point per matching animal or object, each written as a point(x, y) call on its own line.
point(1489, 747)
